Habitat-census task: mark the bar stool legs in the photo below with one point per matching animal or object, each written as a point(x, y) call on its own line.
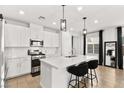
point(91, 77)
point(95, 76)
point(77, 82)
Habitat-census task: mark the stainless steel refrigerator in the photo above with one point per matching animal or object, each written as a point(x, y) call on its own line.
point(1, 51)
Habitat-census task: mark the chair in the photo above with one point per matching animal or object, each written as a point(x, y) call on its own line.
point(92, 65)
point(79, 71)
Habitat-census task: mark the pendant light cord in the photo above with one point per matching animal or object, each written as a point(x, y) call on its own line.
point(84, 22)
point(63, 10)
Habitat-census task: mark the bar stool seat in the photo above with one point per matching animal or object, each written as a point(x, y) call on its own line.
point(78, 71)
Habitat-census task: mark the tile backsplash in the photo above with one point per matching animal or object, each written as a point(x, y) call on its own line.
point(22, 52)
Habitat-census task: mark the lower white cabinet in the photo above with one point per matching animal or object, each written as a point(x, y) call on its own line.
point(18, 66)
point(25, 66)
point(12, 67)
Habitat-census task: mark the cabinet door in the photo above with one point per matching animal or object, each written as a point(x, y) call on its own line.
point(36, 31)
point(55, 40)
point(34, 35)
point(41, 35)
point(11, 36)
point(16, 36)
point(18, 67)
point(12, 66)
point(25, 38)
point(66, 44)
point(47, 39)
point(25, 66)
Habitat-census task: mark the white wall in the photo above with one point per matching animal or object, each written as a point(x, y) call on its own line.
point(109, 34)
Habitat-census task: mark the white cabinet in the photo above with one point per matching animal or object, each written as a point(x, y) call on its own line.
point(12, 66)
point(37, 32)
point(55, 40)
point(25, 38)
point(66, 44)
point(47, 39)
point(18, 66)
point(16, 36)
point(51, 39)
point(25, 65)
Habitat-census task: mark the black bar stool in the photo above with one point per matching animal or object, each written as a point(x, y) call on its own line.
point(92, 65)
point(79, 71)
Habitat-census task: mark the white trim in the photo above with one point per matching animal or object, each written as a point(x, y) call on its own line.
point(2, 50)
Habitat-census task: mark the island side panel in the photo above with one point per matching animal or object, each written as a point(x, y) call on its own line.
point(46, 75)
point(60, 78)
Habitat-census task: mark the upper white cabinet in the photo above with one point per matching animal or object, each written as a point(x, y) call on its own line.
point(16, 36)
point(47, 39)
point(51, 39)
point(66, 44)
point(37, 32)
point(55, 40)
point(19, 36)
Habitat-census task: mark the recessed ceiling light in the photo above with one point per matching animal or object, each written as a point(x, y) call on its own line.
point(79, 8)
point(21, 12)
point(96, 21)
point(54, 23)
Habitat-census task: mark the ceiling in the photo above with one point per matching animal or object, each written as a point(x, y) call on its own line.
point(106, 15)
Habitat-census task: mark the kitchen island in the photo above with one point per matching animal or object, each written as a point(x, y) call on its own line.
point(54, 73)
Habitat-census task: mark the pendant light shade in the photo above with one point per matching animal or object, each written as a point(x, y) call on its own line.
point(63, 21)
point(84, 30)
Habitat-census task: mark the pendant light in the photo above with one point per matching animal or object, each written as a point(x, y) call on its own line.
point(63, 21)
point(84, 30)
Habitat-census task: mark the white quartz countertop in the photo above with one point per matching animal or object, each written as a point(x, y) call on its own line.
point(63, 62)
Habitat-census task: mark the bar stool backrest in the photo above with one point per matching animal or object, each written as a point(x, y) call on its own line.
point(81, 69)
point(92, 64)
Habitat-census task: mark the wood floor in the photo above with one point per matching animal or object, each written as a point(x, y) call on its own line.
point(108, 78)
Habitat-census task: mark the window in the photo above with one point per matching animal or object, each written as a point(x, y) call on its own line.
point(93, 43)
point(93, 48)
point(96, 48)
point(90, 48)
